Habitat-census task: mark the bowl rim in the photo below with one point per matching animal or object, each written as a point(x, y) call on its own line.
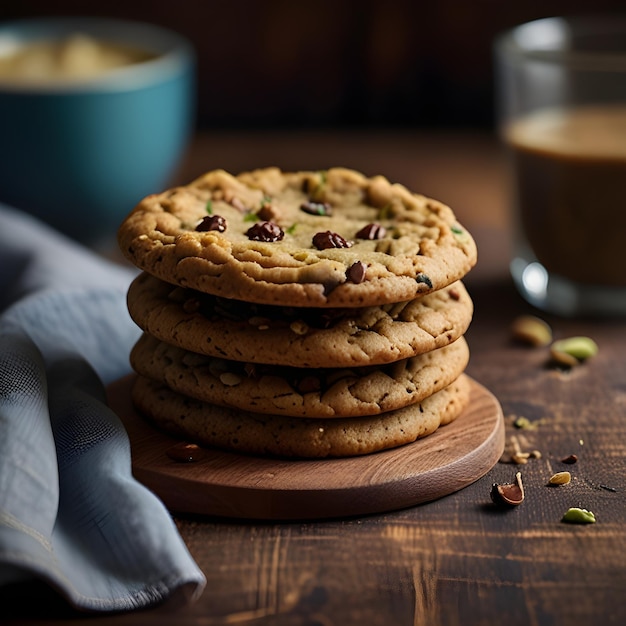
point(174, 53)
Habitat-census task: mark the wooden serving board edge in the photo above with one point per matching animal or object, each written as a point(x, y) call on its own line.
point(229, 485)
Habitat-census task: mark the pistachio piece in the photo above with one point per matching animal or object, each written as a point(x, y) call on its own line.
point(573, 350)
point(299, 327)
point(564, 359)
point(524, 423)
point(531, 330)
point(560, 478)
point(229, 379)
point(508, 494)
point(574, 515)
point(521, 422)
point(261, 323)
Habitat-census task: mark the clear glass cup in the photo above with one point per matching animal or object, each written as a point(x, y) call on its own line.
point(561, 89)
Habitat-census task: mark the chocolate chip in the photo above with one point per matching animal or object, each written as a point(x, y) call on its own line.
point(328, 239)
point(330, 285)
point(265, 231)
point(269, 212)
point(356, 272)
point(372, 231)
point(317, 208)
point(212, 222)
point(422, 278)
point(184, 452)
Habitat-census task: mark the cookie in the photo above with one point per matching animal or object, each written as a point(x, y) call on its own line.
point(250, 433)
point(300, 392)
point(300, 337)
point(334, 238)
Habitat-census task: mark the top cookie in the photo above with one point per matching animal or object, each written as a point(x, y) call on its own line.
point(319, 239)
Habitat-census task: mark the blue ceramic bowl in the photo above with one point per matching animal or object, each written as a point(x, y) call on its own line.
point(80, 154)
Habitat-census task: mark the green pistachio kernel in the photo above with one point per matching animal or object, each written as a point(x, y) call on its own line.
point(522, 422)
point(456, 230)
point(572, 350)
point(319, 188)
point(574, 515)
point(386, 212)
point(209, 207)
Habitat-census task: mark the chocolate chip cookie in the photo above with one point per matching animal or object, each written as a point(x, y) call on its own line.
point(297, 336)
point(332, 238)
point(300, 392)
point(256, 434)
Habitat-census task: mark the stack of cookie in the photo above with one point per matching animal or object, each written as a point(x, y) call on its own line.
point(298, 314)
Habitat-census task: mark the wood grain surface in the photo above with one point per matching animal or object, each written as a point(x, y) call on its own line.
point(458, 560)
point(232, 485)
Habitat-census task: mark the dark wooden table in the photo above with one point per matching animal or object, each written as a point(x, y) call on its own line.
point(457, 560)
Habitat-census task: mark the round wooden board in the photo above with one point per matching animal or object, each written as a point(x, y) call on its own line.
point(232, 485)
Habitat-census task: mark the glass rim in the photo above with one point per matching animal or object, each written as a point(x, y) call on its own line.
point(549, 40)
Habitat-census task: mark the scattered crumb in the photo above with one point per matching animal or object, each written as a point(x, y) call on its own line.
point(517, 450)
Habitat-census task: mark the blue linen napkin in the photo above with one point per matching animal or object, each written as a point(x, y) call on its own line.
point(70, 511)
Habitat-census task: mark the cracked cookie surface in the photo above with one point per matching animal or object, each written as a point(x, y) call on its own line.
point(242, 432)
point(296, 336)
point(322, 239)
point(301, 392)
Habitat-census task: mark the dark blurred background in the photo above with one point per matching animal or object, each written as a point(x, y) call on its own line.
point(335, 63)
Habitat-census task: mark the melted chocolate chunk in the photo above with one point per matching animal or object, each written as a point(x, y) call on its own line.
point(212, 222)
point(372, 231)
point(265, 231)
point(328, 239)
point(356, 272)
point(317, 208)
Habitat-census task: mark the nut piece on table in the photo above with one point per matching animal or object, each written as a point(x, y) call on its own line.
point(573, 350)
point(508, 494)
point(560, 478)
point(531, 330)
point(575, 515)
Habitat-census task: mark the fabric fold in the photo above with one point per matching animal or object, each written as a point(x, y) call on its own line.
point(71, 513)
